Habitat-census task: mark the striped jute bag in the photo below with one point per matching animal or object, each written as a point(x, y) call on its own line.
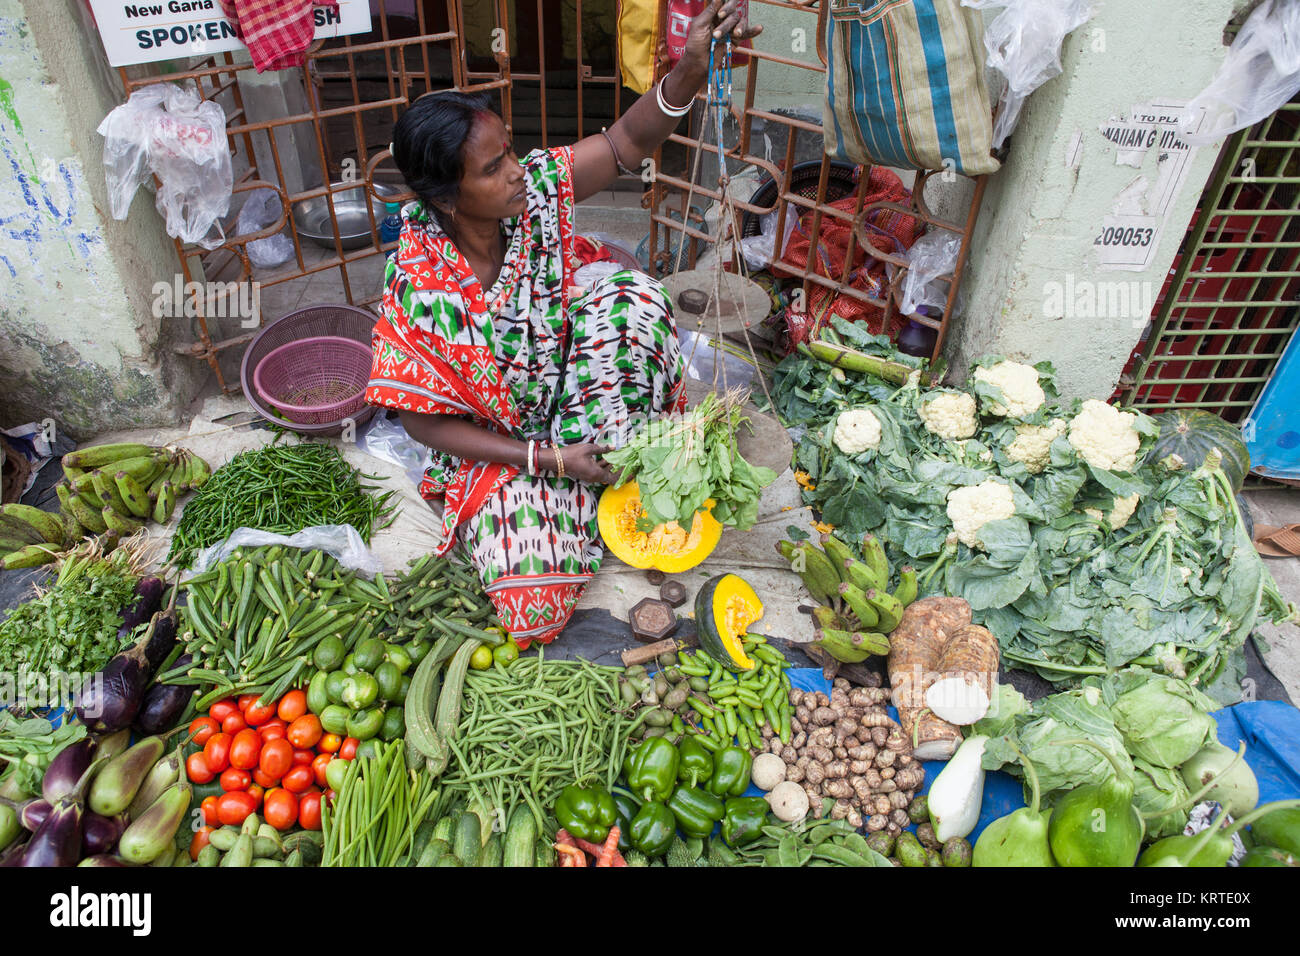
point(905, 86)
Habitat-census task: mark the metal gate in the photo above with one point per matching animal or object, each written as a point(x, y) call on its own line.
point(1232, 299)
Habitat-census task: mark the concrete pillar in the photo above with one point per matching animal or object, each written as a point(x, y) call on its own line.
point(273, 95)
point(1082, 222)
point(80, 342)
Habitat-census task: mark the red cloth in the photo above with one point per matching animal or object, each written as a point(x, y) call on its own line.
point(276, 32)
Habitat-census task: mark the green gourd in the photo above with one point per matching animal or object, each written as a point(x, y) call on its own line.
point(1096, 824)
point(1019, 838)
point(1211, 847)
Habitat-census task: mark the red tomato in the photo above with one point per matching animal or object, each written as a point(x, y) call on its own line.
point(234, 806)
point(298, 779)
point(222, 709)
point(256, 716)
point(281, 808)
point(305, 732)
point(209, 808)
point(199, 842)
point(328, 797)
point(309, 810)
point(196, 768)
point(292, 706)
point(245, 749)
point(247, 700)
point(329, 743)
point(201, 728)
point(304, 756)
point(232, 779)
point(275, 727)
point(233, 724)
point(263, 781)
point(276, 758)
point(256, 791)
point(216, 752)
point(349, 748)
point(318, 767)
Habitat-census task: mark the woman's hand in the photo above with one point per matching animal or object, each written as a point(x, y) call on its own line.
point(583, 463)
point(718, 19)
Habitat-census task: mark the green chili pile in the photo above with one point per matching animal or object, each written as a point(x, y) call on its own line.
point(283, 489)
point(528, 732)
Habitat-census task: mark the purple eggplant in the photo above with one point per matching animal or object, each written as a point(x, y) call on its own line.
point(164, 704)
point(58, 841)
point(144, 603)
point(66, 769)
point(109, 702)
point(13, 856)
point(100, 834)
point(33, 814)
point(162, 638)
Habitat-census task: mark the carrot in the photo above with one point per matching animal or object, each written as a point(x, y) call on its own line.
point(607, 853)
point(567, 847)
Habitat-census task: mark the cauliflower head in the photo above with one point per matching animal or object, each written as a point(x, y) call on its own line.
point(857, 430)
point(1032, 444)
point(1021, 393)
point(972, 507)
point(950, 415)
point(1121, 509)
point(1105, 437)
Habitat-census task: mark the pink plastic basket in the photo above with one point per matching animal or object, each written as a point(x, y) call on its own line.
point(316, 380)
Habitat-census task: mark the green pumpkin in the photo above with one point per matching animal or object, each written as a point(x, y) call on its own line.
point(1191, 433)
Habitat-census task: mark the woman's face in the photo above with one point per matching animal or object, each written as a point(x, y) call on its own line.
point(492, 186)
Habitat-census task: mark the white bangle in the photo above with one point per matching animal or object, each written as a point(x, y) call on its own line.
point(529, 465)
point(663, 104)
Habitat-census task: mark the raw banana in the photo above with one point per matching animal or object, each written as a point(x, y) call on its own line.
point(839, 553)
point(89, 518)
point(819, 574)
point(8, 545)
point(853, 647)
point(855, 599)
point(122, 524)
point(202, 472)
point(873, 552)
point(100, 455)
point(72, 529)
point(861, 576)
point(144, 468)
point(135, 497)
point(31, 556)
point(45, 522)
point(905, 593)
point(19, 529)
point(825, 617)
point(889, 608)
point(166, 503)
point(109, 496)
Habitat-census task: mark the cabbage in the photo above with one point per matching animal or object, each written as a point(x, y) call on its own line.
point(1163, 720)
point(1158, 789)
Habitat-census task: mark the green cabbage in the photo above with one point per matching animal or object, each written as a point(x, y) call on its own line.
point(1163, 720)
point(1158, 789)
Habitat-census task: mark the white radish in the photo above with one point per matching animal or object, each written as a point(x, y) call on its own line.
point(957, 700)
point(957, 793)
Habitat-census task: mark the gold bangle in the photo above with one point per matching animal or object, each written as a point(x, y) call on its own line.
point(559, 462)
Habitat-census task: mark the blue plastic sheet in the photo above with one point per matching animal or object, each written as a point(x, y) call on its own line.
point(1271, 433)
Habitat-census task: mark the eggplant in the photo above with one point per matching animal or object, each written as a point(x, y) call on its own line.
point(162, 638)
point(66, 769)
point(14, 855)
point(58, 841)
point(144, 604)
point(100, 834)
point(109, 702)
point(164, 773)
point(33, 814)
point(113, 744)
point(164, 704)
point(116, 785)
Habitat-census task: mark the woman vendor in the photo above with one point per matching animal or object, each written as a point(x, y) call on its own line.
point(496, 362)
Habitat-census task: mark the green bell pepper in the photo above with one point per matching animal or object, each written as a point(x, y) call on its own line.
point(695, 763)
point(653, 829)
point(586, 812)
point(743, 819)
point(654, 770)
point(628, 806)
point(696, 811)
point(731, 769)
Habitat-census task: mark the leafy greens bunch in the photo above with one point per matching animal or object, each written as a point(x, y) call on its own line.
point(681, 463)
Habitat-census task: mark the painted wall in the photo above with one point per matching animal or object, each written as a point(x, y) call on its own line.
point(80, 341)
point(1039, 286)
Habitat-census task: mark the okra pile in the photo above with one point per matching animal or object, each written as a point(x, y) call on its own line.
point(692, 694)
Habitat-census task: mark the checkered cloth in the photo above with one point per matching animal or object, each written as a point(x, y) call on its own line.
point(276, 32)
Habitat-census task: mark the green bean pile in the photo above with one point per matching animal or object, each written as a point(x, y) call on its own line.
point(377, 811)
point(528, 732)
point(283, 489)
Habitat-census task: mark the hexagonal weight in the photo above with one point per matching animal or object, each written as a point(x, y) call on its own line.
point(652, 620)
point(674, 592)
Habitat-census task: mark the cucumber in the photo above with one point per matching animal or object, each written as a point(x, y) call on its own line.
point(544, 854)
point(422, 837)
point(467, 839)
point(492, 852)
point(433, 851)
point(519, 846)
point(442, 829)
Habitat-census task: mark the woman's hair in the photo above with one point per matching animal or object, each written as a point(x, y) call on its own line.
point(429, 143)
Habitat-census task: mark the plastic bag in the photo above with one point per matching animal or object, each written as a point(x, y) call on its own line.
point(387, 439)
point(702, 358)
point(261, 209)
point(167, 130)
point(341, 540)
point(760, 251)
point(1260, 72)
point(933, 255)
point(1024, 44)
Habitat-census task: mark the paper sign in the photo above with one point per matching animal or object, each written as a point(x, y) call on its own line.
point(176, 29)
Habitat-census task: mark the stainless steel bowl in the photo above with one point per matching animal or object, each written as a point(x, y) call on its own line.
point(311, 218)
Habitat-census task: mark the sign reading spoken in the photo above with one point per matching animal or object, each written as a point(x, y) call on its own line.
point(174, 29)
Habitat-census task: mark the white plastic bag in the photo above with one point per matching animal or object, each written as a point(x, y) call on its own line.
point(261, 209)
point(1260, 72)
point(1024, 44)
point(388, 440)
point(341, 540)
point(169, 131)
point(933, 255)
point(760, 251)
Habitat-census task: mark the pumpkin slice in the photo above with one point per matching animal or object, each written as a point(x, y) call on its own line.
point(669, 548)
point(725, 609)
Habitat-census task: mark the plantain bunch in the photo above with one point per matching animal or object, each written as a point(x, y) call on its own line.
point(856, 610)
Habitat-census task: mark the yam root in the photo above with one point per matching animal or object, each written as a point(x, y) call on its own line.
point(916, 647)
point(967, 675)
